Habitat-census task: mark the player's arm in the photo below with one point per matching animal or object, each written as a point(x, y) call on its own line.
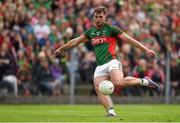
point(131, 40)
point(72, 43)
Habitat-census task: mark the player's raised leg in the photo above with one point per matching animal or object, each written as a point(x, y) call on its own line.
point(104, 99)
point(116, 78)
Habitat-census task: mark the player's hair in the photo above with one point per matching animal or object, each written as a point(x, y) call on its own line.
point(100, 9)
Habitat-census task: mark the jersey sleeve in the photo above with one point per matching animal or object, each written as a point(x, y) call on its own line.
point(116, 31)
point(87, 34)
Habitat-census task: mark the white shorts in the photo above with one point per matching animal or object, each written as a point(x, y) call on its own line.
point(106, 68)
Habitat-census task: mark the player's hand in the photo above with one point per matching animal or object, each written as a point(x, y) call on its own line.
point(57, 52)
point(151, 53)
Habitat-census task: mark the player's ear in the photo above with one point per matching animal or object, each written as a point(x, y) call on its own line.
point(94, 16)
point(105, 15)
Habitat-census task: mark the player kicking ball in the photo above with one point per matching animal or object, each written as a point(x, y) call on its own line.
point(104, 38)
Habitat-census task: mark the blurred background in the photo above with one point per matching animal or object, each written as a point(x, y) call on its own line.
point(30, 30)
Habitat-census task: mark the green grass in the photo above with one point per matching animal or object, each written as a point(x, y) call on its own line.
point(88, 113)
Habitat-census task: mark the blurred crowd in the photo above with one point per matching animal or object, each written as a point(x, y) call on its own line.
point(30, 30)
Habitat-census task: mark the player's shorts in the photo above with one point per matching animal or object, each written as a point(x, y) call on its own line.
point(106, 68)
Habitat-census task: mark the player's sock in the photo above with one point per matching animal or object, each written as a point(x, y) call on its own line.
point(111, 111)
point(144, 82)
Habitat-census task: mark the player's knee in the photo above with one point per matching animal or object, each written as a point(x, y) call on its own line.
point(118, 82)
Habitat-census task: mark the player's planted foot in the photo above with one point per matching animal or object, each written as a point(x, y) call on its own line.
point(152, 85)
point(111, 112)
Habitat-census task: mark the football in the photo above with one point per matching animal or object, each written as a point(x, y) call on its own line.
point(106, 87)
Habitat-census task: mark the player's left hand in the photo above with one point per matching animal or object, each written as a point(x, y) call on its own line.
point(151, 53)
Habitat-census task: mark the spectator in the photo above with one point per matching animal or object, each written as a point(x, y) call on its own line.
point(24, 79)
point(6, 72)
point(42, 31)
point(175, 77)
point(58, 76)
point(44, 76)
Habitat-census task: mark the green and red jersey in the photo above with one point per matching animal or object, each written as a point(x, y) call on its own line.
point(104, 41)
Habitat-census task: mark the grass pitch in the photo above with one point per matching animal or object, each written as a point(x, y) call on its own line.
point(88, 113)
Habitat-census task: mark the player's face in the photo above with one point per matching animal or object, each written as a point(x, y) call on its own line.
point(99, 19)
